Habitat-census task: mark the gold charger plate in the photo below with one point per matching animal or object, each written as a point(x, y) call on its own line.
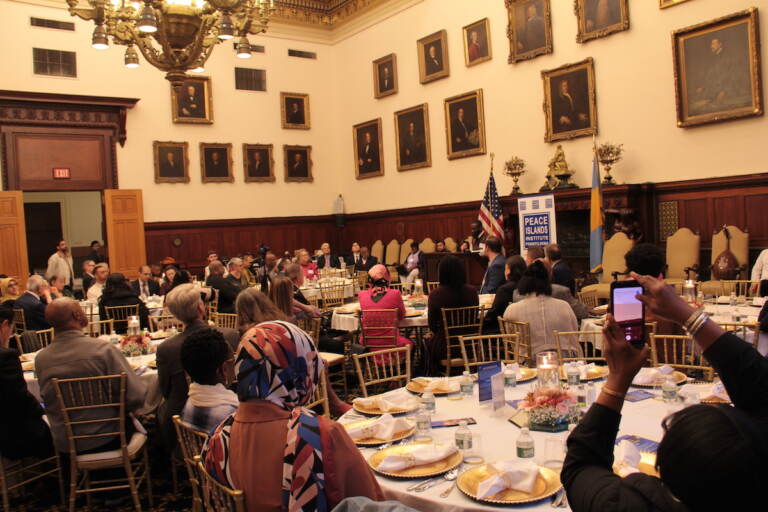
point(28, 366)
point(547, 484)
point(680, 377)
point(152, 364)
point(526, 374)
point(346, 311)
point(432, 469)
point(371, 441)
point(647, 465)
point(415, 386)
point(25, 358)
point(377, 412)
point(412, 313)
point(596, 373)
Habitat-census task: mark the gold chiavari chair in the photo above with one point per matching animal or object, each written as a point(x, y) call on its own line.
point(740, 288)
point(362, 279)
point(458, 322)
point(335, 364)
point(524, 354)
point(578, 342)
point(191, 443)
point(19, 323)
point(748, 331)
point(213, 304)
point(378, 328)
point(310, 326)
point(225, 320)
point(680, 353)
point(589, 299)
point(431, 285)
point(218, 497)
point(332, 295)
point(87, 308)
point(320, 397)
point(121, 314)
point(98, 328)
point(383, 366)
point(15, 474)
point(41, 340)
point(162, 322)
point(477, 350)
point(84, 401)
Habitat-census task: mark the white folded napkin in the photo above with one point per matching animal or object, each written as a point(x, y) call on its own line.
point(518, 475)
point(398, 399)
point(626, 458)
point(717, 390)
point(582, 367)
point(449, 385)
point(648, 376)
point(385, 427)
point(513, 367)
point(416, 456)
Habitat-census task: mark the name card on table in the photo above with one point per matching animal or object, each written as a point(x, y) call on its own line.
point(484, 374)
point(643, 444)
point(497, 391)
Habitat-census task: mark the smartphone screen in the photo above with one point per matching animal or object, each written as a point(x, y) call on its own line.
point(628, 311)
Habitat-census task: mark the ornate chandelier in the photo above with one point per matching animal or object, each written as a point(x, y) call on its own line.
point(175, 36)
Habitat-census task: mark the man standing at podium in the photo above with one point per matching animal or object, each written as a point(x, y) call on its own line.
point(477, 237)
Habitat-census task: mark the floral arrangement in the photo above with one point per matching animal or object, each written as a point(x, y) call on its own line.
point(135, 345)
point(549, 406)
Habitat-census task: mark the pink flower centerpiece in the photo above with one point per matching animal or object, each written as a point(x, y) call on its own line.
point(549, 409)
point(135, 345)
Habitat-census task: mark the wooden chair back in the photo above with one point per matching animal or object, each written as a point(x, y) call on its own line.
point(383, 366)
point(362, 279)
point(613, 256)
point(310, 326)
point(477, 350)
point(121, 314)
point(427, 246)
point(320, 396)
point(681, 353)
point(41, 340)
point(97, 328)
point(163, 322)
point(15, 474)
point(524, 354)
point(405, 250)
point(741, 288)
point(683, 249)
point(19, 322)
point(225, 320)
point(332, 295)
point(191, 443)
point(218, 497)
point(748, 331)
point(431, 285)
point(378, 328)
point(377, 251)
point(213, 304)
point(578, 342)
point(589, 299)
point(458, 322)
point(451, 244)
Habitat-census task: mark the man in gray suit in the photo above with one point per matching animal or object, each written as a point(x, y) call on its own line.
point(184, 302)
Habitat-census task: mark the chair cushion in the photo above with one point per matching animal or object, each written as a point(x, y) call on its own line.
point(134, 445)
point(331, 358)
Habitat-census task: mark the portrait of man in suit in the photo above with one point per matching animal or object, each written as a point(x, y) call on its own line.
point(412, 138)
point(298, 163)
point(215, 165)
point(570, 107)
point(531, 33)
point(191, 102)
point(433, 58)
point(464, 124)
point(295, 110)
point(463, 127)
point(216, 162)
point(601, 14)
point(171, 164)
point(258, 163)
point(368, 148)
point(385, 76)
point(477, 42)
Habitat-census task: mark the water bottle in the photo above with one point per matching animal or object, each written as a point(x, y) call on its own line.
point(732, 299)
point(466, 385)
point(510, 378)
point(463, 437)
point(574, 375)
point(669, 390)
point(113, 337)
point(428, 400)
point(133, 325)
point(525, 445)
point(423, 424)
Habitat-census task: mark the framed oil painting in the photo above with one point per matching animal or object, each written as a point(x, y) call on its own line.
point(414, 150)
point(369, 149)
point(258, 163)
point(298, 163)
point(171, 162)
point(216, 162)
point(465, 125)
point(529, 29)
point(570, 101)
point(600, 18)
point(663, 4)
point(477, 42)
point(717, 70)
point(294, 110)
point(192, 103)
point(385, 76)
point(433, 57)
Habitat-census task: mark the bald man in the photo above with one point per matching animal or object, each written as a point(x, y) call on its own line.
point(74, 355)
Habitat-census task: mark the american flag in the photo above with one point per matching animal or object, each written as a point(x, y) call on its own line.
point(491, 215)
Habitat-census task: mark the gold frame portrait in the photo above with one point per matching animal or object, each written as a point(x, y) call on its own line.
point(441, 35)
point(230, 178)
point(376, 85)
point(298, 179)
point(270, 162)
point(547, 77)
point(477, 95)
point(156, 146)
point(585, 35)
point(512, 24)
point(465, 33)
point(355, 140)
point(424, 108)
point(207, 99)
point(663, 4)
point(283, 114)
point(684, 118)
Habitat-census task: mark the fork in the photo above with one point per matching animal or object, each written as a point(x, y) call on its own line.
point(451, 476)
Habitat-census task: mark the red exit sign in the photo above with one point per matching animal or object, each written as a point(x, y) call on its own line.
point(61, 173)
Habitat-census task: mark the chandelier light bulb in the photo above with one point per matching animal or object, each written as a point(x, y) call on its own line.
point(100, 41)
point(131, 58)
point(243, 48)
point(147, 21)
point(226, 29)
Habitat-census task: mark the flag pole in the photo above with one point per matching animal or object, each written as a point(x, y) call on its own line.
point(492, 156)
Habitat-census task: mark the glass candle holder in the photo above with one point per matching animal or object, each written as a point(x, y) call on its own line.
point(689, 291)
point(418, 288)
point(548, 369)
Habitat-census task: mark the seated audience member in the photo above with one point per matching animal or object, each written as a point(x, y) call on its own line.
point(100, 273)
point(88, 279)
point(23, 433)
point(646, 260)
point(760, 273)
point(513, 271)
point(494, 274)
point(561, 292)
point(236, 276)
point(534, 252)
point(272, 427)
point(94, 254)
point(58, 288)
point(33, 302)
point(9, 287)
point(181, 277)
point(281, 295)
point(704, 449)
point(157, 272)
point(285, 260)
point(248, 269)
point(185, 303)
point(227, 291)
point(75, 355)
point(307, 267)
point(296, 275)
point(763, 317)
point(254, 307)
point(212, 256)
point(326, 259)
point(464, 247)
point(117, 292)
point(169, 273)
point(269, 272)
point(409, 271)
point(543, 312)
point(453, 292)
point(380, 296)
point(145, 286)
point(208, 360)
point(354, 256)
point(561, 272)
point(440, 246)
point(366, 261)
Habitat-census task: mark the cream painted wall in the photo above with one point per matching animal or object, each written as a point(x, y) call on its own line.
point(81, 214)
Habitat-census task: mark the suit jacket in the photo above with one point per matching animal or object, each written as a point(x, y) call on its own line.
point(227, 292)
point(460, 131)
point(124, 298)
point(154, 288)
point(171, 376)
point(504, 295)
point(74, 355)
point(369, 152)
point(34, 311)
point(562, 275)
point(563, 293)
point(334, 261)
point(494, 275)
point(22, 429)
point(193, 104)
point(433, 65)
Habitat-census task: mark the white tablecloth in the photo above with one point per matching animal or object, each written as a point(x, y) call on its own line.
point(498, 443)
point(351, 322)
point(350, 289)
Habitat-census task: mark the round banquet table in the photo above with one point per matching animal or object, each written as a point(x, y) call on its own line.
point(311, 292)
point(350, 322)
point(497, 442)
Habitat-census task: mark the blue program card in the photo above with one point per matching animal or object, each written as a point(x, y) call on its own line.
point(639, 395)
point(484, 374)
point(643, 444)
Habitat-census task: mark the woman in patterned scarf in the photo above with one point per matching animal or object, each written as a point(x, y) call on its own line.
point(284, 457)
point(379, 296)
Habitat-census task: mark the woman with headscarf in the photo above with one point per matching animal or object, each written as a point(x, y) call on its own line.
point(10, 291)
point(281, 455)
point(380, 296)
point(118, 292)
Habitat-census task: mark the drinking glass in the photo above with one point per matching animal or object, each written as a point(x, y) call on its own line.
point(474, 454)
point(554, 454)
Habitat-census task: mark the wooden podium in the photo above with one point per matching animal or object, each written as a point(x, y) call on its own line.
point(474, 266)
